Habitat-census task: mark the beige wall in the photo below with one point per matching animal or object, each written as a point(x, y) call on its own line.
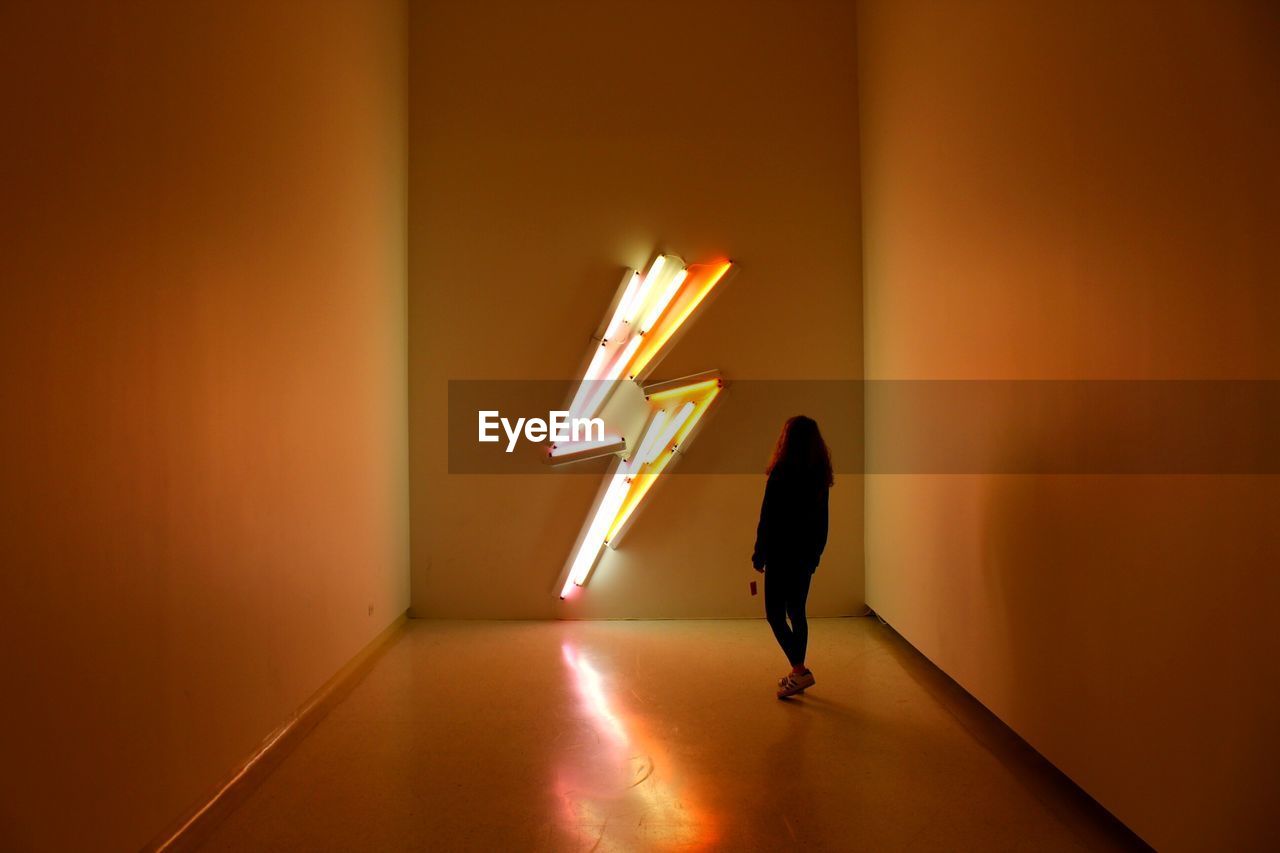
point(548, 151)
point(1084, 190)
point(203, 423)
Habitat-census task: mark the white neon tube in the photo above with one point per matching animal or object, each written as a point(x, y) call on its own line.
point(598, 388)
point(659, 305)
point(671, 429)
point(571, 448)
point(598, 360)
point(624, 358)
point(646, 290)
point(624, 306)
point(650, 435)
point(609, 346)
point(594, 540)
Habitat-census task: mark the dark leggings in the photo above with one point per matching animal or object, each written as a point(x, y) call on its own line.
point(785, 591)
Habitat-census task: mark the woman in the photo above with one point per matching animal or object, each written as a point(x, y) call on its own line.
point(790, 537)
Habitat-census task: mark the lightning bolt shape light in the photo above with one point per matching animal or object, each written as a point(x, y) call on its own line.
point(647, 316)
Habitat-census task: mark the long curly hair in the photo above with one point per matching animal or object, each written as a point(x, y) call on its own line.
point(800, 451)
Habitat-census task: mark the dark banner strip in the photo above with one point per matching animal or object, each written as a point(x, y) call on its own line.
point(920, 427)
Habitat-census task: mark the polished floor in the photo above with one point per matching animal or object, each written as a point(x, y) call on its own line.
point(638, 736)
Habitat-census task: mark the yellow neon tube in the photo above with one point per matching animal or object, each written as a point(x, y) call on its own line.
point(644, 480)
point(683, 391)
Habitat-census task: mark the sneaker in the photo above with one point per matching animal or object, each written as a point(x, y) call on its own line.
point(791, 684)
point(784, 681)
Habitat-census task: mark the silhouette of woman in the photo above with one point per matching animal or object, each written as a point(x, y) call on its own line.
point(790, 537)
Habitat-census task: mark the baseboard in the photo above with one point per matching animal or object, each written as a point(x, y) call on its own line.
point(194, 827)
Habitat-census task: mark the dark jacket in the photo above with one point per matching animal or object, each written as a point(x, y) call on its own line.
point(793, 522)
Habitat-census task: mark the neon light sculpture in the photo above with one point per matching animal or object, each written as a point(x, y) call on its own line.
point(647, 426)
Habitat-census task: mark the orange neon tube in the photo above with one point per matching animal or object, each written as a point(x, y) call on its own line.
point(702, 278)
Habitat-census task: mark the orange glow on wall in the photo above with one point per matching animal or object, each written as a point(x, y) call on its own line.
point(647, 315)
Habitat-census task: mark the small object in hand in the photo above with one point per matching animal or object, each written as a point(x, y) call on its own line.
point(753, 587)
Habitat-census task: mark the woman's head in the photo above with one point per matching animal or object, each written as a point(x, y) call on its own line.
point(801, 451)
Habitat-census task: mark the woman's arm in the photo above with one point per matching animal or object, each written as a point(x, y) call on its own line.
point(761, 553)
point(820, 534)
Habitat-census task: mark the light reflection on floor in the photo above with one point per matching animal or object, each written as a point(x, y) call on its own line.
point(569, 737)
point(619, 790)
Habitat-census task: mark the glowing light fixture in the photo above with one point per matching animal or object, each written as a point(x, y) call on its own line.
point(647, 316)
point(648, 445)
point(658, 305)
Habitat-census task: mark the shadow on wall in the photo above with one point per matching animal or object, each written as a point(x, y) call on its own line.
point(1106, 615)
point(1069, 561)
point(1056, 793)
